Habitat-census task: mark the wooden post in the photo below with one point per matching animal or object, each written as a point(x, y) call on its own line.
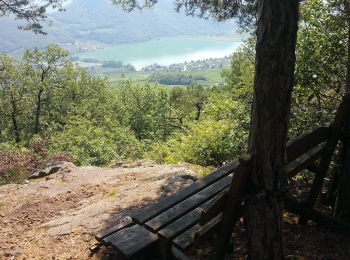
point(342, 203)
point(232, 207)
point(332, 141)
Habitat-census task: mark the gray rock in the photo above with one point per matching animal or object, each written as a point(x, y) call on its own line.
point(51, 168)
point(13, 253)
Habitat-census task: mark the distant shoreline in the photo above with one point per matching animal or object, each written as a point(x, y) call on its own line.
point(165, 51)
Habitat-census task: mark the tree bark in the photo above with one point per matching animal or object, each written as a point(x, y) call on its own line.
point(274, 76)
point(342, 205)
point(14, 115)
point(199, 107)
point(38, 111)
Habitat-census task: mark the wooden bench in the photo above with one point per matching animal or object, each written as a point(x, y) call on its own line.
point(160, 224)
point(176, 223)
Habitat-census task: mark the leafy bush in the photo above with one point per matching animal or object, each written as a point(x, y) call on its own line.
point(112, 64)
point(208, 143)
point(38, 146)
point(89, 143)
point(16, 164)
point(178, 79)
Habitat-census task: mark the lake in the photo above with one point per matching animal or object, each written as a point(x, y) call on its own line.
point(165, 51)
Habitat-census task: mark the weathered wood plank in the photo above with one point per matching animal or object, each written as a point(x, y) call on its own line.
point(100, 236)
point(156, 209)
point(187, 239)
point(297, 146)
point(130, 241)
point(215, 207)
point(305, 160)
point(183, 223)
point(207, 230)
point(187, 205)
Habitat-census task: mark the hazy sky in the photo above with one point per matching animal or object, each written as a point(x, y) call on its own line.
point(65, 3)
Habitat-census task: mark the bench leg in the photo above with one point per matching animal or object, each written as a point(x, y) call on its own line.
point(178, 254)
point(165, 249)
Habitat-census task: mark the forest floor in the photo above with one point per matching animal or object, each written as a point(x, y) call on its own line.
point(56, 217)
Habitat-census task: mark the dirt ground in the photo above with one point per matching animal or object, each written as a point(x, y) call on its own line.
point(57, 217)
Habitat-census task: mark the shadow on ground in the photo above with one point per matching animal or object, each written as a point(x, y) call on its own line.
point(169, 187)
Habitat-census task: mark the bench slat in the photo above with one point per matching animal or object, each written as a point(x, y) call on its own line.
point(305, 160)
point(186, 221)
point(305, 142)
point(187, 205)
point(129, 241)
point(156, 209)
point(216, 206)
point(186, 239)
point(100, 236)
point(208, 229)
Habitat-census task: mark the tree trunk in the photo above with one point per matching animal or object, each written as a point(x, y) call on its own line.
point(199, 107)
point(274, 76)
point(342, 205)
point(14, 115)
point(38, 112)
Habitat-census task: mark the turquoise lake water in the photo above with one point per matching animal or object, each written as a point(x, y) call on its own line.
point(165, 51)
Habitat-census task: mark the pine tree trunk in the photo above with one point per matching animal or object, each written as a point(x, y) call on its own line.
point(14, 115)
point(274, 76)
point(38, 111)
point(342, 206)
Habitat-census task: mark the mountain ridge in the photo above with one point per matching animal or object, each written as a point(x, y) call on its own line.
point(100, 23)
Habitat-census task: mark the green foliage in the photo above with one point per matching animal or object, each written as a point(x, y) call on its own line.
point(57, 108)
point(16, 163)
point(188, 103)
point(93, 144)
point(177, 79)
point(112, 64)
point(321, 64)
point(117, 65)
point(241, 73)
point(147, 110)
point(217, 131)
point(53, 107)
point(209, 142)
point(45, 97)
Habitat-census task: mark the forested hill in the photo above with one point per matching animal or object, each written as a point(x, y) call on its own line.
point(99, 22)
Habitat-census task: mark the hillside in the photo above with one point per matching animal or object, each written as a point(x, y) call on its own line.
point(97, 23)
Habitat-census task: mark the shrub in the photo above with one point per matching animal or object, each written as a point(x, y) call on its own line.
point(90, 144)
point(207, 143)
point(16, 165)
point(38, 146)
